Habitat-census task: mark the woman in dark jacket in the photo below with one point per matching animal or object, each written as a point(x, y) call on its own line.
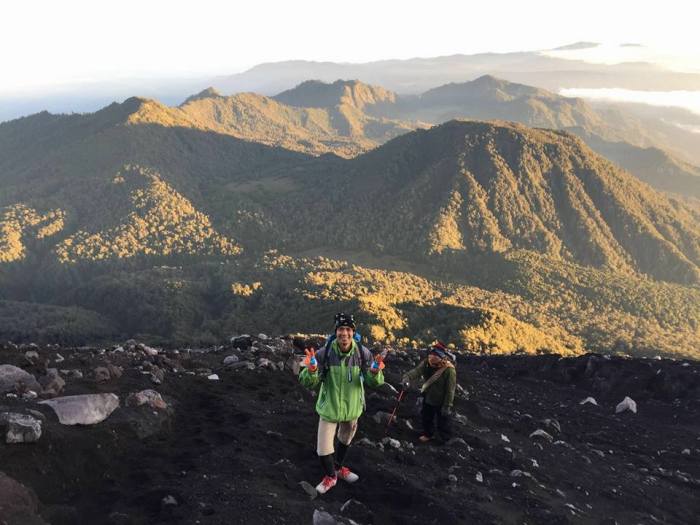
point(438, 391)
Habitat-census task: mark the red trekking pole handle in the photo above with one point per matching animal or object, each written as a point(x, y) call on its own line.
point(398, 401)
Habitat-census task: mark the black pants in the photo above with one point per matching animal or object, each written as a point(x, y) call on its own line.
point(429, 413)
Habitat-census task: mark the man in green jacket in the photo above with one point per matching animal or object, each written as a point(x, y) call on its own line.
point(340, 370)
point(438, 391)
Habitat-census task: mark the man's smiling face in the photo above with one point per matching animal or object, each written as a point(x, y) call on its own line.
point(344, 335)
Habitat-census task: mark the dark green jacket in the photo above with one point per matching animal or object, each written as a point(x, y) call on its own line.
point(342, 394)
point(442, 391)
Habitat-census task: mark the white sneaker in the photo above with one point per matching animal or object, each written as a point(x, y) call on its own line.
point(346, 474)
point(327, 483)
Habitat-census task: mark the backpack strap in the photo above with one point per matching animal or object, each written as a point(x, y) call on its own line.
point(326, 366)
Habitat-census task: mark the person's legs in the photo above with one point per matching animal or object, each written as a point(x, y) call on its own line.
point(346, 431)
point(428, 414)
point(324, 445)
point(444, 426)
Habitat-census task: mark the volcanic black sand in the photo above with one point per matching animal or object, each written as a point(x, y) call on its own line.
point(235, 450)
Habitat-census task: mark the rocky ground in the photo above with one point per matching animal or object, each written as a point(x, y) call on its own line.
point(227, 435)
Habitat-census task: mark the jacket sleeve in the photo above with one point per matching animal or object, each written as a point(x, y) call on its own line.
point(373, 380)
point(450, 387)
point(414, 374)
point(309, 379)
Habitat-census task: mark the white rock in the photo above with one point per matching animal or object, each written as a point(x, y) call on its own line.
point(263, 337)
point(479, 477)
point(213, 377)
point(626, 404)
point(87, 409)
point(21, 428)
point(590, 400)
point(505, 438)
point(59, 358)
point(686, 452)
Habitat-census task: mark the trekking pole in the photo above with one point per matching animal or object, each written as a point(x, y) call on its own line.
point(398, 402)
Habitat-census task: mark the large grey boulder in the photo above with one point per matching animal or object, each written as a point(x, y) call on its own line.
point(87, 409)
point(21, 428)
point(13, 379)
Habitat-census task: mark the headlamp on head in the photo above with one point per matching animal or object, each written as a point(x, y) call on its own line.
point(342, 319)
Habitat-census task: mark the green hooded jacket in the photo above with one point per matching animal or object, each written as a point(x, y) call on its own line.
point(342, 394)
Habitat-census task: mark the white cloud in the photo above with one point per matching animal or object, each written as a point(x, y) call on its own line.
point(46, 42)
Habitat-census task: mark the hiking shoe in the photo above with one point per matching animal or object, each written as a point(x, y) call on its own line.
point(424, 439)
point(327, 483)
point(346, 474)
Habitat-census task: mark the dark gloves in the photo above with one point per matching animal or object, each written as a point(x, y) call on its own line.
point(446, 411)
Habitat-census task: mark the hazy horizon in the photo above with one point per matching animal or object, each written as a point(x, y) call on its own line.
point(78, 42)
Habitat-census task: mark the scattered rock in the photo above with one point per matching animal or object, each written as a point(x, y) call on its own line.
point(168, 500)
point(32, 356)
point(146, 397)
point(395, 443)
point(356, 510)
point(13, 379)
point(309, 489)
point(21, 428)
point(52, 383)
point(231, 359)
point(553, 424)
point(626, 404)
point(213, 377)
point(321, 517)
point(457, 441)
point(539, 433)
point(147, 350)
point(29, 395)
point(590, 400)
point(101, 374)
point(367, 442)
point(86, 409)
point(244, 342)
point(382, 417)
point(479, 477)
point(461, 419)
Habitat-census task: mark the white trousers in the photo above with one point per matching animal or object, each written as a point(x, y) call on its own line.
point(326, 433)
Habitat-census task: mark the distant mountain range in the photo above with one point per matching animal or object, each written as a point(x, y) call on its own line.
point(226, 213)
point(417, 75)
point(348, 117)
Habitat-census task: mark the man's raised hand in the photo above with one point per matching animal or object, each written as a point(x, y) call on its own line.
point(310, 360)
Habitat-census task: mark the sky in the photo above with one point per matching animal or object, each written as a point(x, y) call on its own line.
point(49, 45)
